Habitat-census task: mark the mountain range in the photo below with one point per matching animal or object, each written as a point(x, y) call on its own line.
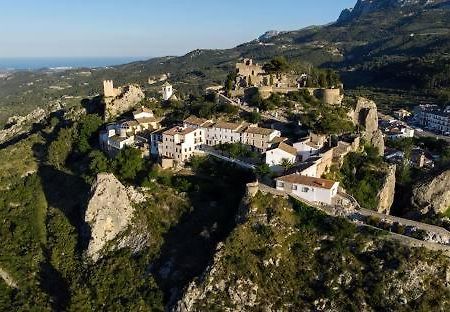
point(400, 45)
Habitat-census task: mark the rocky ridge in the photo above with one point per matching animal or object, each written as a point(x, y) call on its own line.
point(229, 284)
point(19, 124)
point(364, 7)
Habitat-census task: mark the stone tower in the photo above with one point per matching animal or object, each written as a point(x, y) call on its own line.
point(167, 91)
point(108, 88)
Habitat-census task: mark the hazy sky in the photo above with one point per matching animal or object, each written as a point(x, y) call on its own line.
point(30, 28)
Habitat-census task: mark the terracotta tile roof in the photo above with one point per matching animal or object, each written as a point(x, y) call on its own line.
point(196, 121)
point(287, 148)
point(179, 130)
point(227, 125)
point(131, 123)
point(261, 131)
point(146, 120)
point(277, 140)
point(309, 181)
point(142, 110)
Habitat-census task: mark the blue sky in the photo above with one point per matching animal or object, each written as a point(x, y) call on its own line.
point(42, 28)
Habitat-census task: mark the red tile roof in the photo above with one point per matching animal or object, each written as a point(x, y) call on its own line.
point(309, 181)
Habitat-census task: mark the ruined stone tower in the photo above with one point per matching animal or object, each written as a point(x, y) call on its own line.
point(108, 89)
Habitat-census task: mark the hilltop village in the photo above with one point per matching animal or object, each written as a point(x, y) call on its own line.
point(298, 166)
point(293, 127)
point(277, 169)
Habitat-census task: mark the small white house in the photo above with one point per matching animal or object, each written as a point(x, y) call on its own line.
point(307, 149)
point(143, 113)
point(276, 156)
point(308, 188)
point(400, 133)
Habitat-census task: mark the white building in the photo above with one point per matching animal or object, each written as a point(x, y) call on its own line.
point(224, 132)
point(143, 113)
point(399, 132)
point(434, 119)
point(309, 147)
point(283, 152)
point(308, 188)
point(167, 91)
point(261, 139)
point(179, 143)
point(131, 132)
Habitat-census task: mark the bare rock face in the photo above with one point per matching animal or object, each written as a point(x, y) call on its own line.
point(17, 125)
point(433, 195)
point(242, 293)
point(109, 212)
point(130, 96)
point(387, 192)
point(365, 115)
point(8, 279)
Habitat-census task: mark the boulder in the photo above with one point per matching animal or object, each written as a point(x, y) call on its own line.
point(433, 195)
point(8, 279)
point(109, 212)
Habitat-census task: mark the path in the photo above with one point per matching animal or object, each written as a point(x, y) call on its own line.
point(227, 159)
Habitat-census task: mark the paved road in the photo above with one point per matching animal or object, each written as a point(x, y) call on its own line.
point(425, 134)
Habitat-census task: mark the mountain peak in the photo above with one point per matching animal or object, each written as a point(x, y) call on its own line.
point(364, 7)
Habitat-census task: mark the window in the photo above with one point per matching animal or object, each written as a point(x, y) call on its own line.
point(280, 184)
point(294, 187)
point(305, 189)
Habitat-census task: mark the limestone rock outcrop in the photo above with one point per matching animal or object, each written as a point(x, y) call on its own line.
point(242, 292)
point(433, 195)
point(127, 99)
point(8, 279)
point(387, 192)
point(365, 115)
point(364, 7)
point(109, 212)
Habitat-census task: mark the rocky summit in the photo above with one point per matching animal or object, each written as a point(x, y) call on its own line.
point(364, 7)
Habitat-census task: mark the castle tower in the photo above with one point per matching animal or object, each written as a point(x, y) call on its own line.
point(108, 88)
point(167, 91)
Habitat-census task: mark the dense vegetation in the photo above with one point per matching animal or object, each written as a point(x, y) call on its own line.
point(362, 176)
point(43, 240)
point(288, 255)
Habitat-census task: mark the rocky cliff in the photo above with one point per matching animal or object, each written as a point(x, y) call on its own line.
point(124, 102)
point(17, 125)
point(387, 192)
point(433, 195)
point(109, 214)
point(364, 7)
point(365, 115)
point(278, 259)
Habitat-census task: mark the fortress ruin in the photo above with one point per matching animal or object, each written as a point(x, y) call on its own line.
point(250, 74)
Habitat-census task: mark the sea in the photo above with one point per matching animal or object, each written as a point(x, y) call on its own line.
point(36, 63)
